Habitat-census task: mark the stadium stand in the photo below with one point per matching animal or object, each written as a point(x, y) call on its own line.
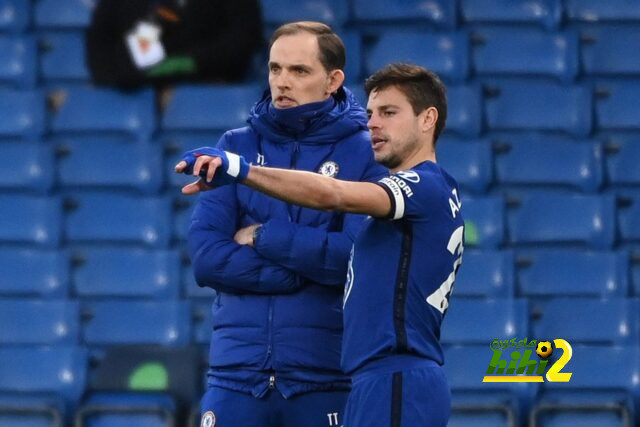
point(572, 273)
point(35, 273)
point(125, 272)
point(62, 58)
point(544, 13)
point(18, 60)
point(26, 166)
point(525, 52)
point(450, 61)
point(123, 164)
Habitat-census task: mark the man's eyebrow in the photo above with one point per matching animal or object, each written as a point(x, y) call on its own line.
point(382, 108)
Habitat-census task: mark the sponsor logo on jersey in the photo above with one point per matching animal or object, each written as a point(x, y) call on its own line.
point(410, 176)
point(403, 185)
point(208, 419)
point(329, 169)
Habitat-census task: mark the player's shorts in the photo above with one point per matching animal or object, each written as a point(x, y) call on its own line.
point(221, 407)
point(416, 395)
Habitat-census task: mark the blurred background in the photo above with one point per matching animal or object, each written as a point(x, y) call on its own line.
point(101, 322)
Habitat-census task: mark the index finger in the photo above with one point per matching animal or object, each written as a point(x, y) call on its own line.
point(180, 167)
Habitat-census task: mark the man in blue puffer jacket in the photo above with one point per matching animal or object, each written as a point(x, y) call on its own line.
point(279, 269)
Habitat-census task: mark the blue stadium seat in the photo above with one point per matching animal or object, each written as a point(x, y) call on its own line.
point(122, 218)
point(556, 272)
point(332, 12)
point(126, 272)
point(202, 322)
point(14, 15)
point(622, 161)
point(616, 105)
point(353, 69)
point(18, 61)
point(592, 397)
point(27, 321)
point(476, 321)
point(537, 105)
point(587, 320)
point(123, 164)
point(610, 50)
point(60, 370)
point(82, 109)
point(551, 162)
point(198, 108)
point(592, 11)
point(176, 144)
point(557, 218)
point(110, 322)
point(26, 165)
point(63, 56)
point(485, 273)
point(447, 54)
point(464, 110)
point(32, 220)
point(31, 410)
point(515, 51)
point(546, 13)
point(441, 13)
point(470, 162)
point(63, 13)
point(122, 409)
point(34, 273)
point(629, 215)
point(21, 113)
point(483, 221)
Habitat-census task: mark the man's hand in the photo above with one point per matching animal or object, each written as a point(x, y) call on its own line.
point(214, 167)
point(245, 235)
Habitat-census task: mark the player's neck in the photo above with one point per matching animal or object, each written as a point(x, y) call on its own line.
point(427, 153)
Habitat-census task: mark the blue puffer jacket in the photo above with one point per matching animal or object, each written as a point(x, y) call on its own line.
point(277, 316)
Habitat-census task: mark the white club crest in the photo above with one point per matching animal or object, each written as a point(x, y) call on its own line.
point(208, 419)
point(329, 169)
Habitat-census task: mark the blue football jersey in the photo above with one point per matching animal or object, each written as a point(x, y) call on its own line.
point(402, 270)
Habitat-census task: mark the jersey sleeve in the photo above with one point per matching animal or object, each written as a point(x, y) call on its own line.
point(412, 194)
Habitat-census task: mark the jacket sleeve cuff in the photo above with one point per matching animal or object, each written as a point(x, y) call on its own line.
point(275, 239)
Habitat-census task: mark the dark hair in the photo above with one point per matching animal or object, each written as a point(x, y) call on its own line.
point(332, 52)
point(423, 89)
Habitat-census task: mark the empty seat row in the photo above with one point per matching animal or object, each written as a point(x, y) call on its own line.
point(96, 272)
point(592, 397)
point(77, 13)
point(531, 218)
point(175, 322)
point(479, 165)
point(116, 271)
point(455, 56)
point(509, 105)
point(95, 323)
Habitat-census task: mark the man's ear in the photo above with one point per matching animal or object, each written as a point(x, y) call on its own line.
point(428, 119)
point(336, 78)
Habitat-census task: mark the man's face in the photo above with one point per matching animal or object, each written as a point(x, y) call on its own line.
point(394, 127)
point(296, 75)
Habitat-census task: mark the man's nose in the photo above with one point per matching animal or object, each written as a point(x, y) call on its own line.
point(373, 123)
point(283, 80)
